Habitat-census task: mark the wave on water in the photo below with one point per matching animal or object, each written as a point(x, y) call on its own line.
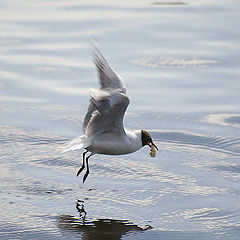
point(224, 119)
point(167, 62)
point(217, 144)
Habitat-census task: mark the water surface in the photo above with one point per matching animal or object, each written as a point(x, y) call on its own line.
point(180, 63)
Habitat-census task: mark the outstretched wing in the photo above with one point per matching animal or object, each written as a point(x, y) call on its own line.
point(108, 78)
point(107, 117)
point(109, 81)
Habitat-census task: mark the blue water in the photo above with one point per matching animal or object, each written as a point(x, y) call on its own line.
point(180, 61)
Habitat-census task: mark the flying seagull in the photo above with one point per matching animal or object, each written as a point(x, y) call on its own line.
point(103, 128)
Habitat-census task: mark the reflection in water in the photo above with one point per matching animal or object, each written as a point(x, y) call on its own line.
point(81, 210)
point(100, 229)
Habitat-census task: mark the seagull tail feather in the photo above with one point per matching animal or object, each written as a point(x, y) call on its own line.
point(77, 143)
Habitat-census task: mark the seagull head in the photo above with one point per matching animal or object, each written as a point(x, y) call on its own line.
point(147, 140)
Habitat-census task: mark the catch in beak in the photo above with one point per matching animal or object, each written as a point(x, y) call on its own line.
point(151, 144)
point(153, 149)
point(147, 140)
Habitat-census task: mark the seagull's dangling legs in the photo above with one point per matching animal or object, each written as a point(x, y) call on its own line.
point(83, 164)
point(87, 172)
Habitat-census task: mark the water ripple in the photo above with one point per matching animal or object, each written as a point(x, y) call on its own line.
point(216, 144)
point(172, 62)
point(224, 119)
point(17, 135)
point(213, 218)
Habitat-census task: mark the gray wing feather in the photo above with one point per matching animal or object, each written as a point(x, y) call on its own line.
point(91, 109)
point(109, 80)
point(108, 113)
point(107, 76)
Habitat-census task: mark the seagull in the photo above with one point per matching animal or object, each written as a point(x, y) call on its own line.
point(104, 132)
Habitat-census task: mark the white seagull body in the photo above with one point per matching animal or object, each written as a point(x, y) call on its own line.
point(103, 128)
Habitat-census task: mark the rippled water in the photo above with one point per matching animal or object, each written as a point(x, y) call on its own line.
point(180, 62)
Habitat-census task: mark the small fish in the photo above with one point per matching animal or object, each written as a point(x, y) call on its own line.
point(153, 151)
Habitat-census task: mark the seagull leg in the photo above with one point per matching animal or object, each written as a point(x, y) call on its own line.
point(87, 172)
point(83, 164)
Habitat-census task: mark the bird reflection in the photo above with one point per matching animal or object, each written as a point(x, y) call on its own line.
point(100, 229)
point(81, 210)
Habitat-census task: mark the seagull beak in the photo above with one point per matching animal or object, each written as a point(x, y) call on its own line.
point(152, 144)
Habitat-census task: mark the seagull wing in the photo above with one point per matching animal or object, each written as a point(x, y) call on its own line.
point(106, 113)
point(110, 107)
point(107, 106)
point(110, 96)
point(107, 76)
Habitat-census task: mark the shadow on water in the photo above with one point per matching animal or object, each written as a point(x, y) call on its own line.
point(112, 229)
point(100, 229)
